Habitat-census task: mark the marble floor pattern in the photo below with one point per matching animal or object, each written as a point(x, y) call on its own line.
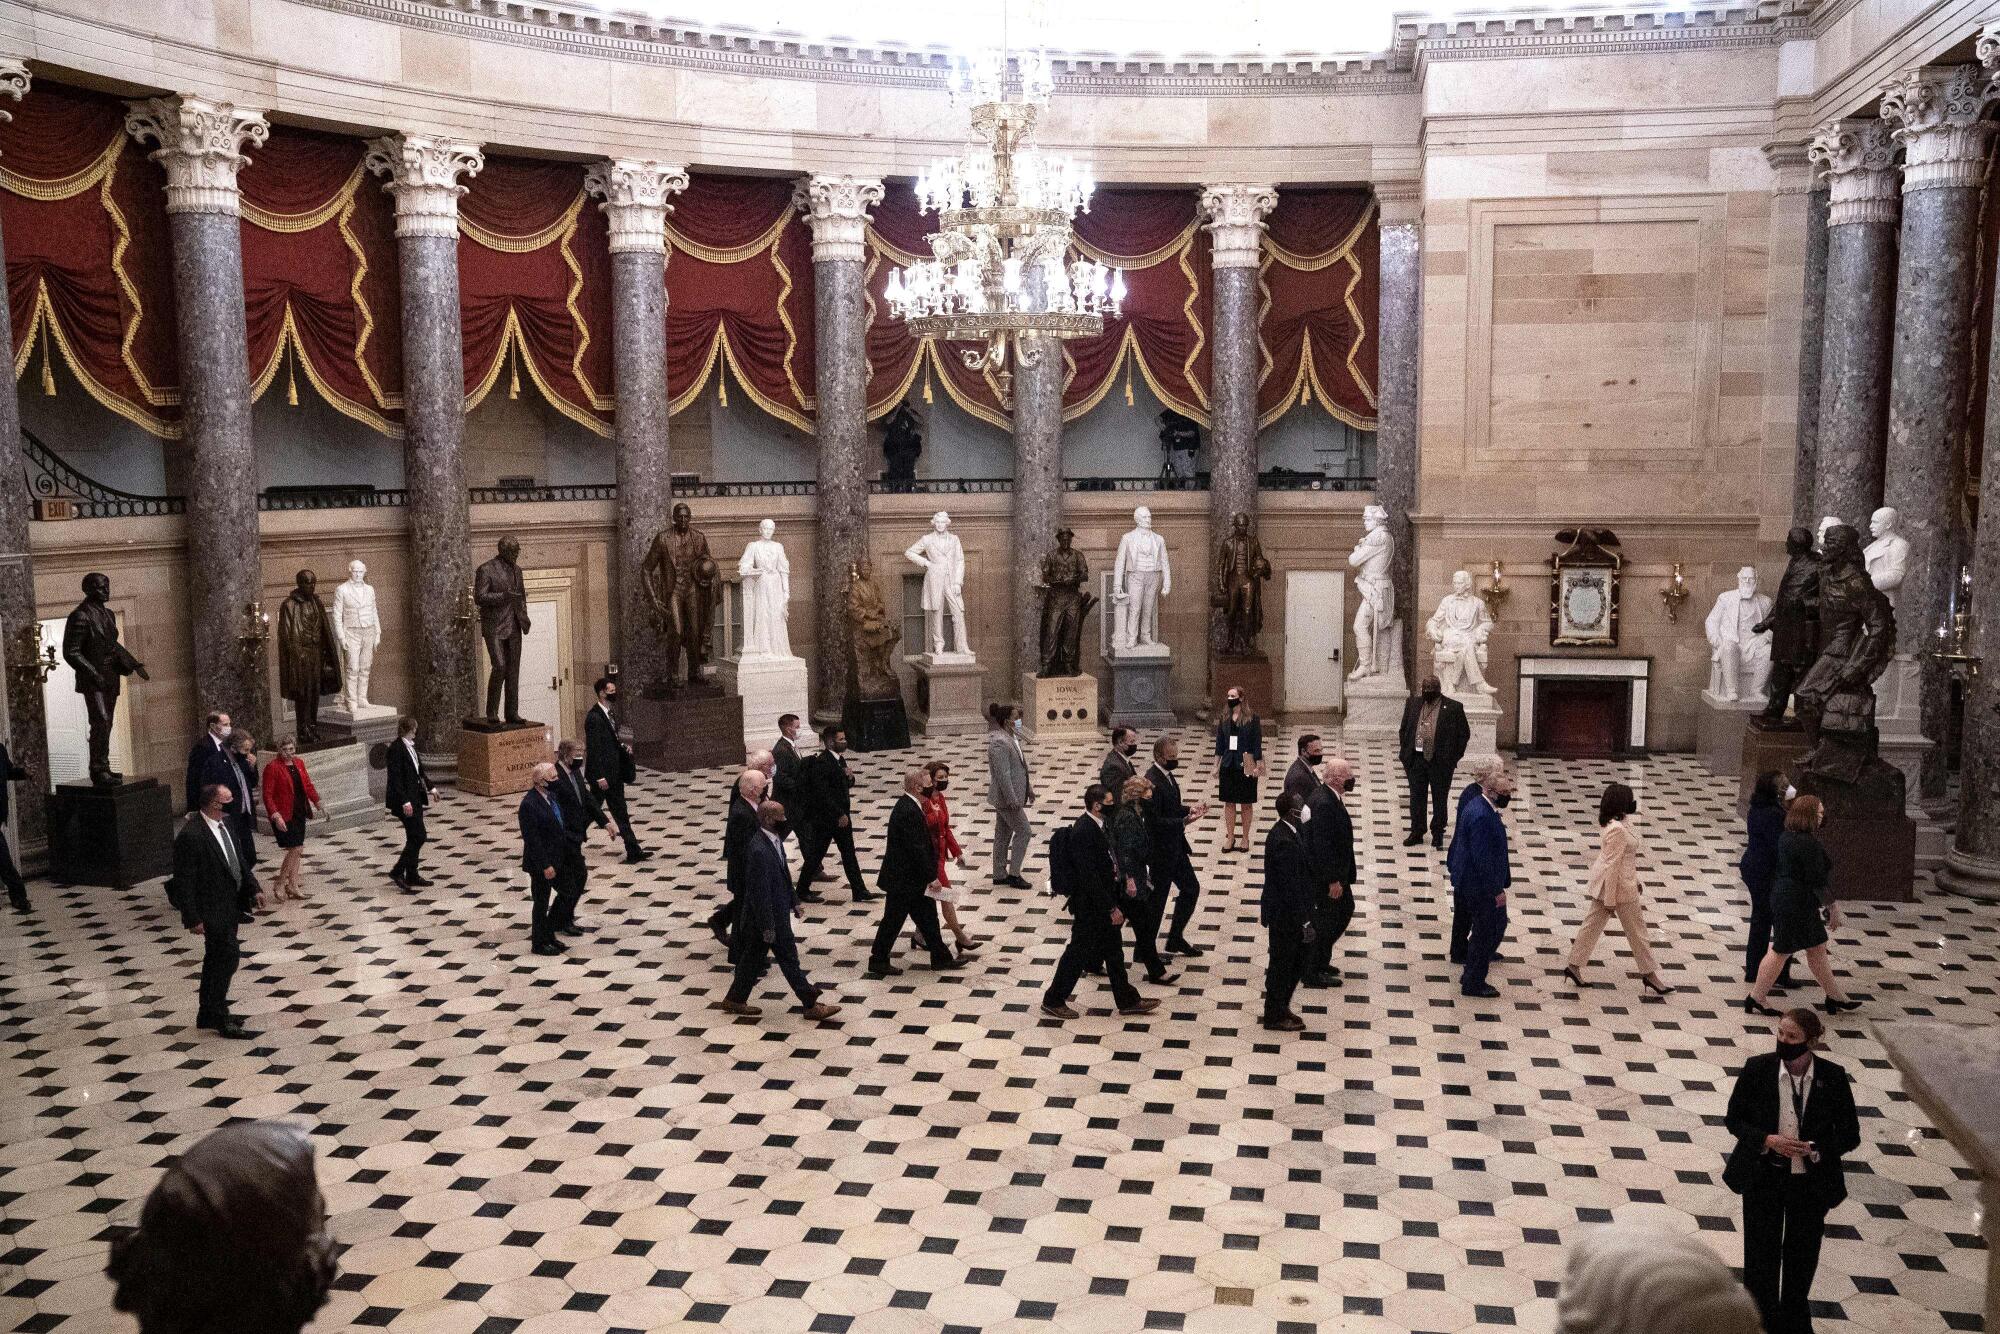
point(565, 1146)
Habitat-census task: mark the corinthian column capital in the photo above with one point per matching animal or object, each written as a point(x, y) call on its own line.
point(1935, 114)
point(634, 192)
point(1859, 159)
point(200, 145)
point(837, 207)
point(423, 173)
point(14, 80)
point(1236, 216)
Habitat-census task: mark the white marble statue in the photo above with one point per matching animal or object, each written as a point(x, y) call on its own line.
point(943, 559)
point(1377, 636)
point(1740, 657)
point(1819, 533)
point(1459, 629)
point(1888, 556)
point(358, 627)
point(767, 596)
point(1141, 575)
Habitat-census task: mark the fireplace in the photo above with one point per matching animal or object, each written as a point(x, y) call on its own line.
point(1578, 708)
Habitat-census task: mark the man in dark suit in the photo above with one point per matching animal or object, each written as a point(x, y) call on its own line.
point(1303, 776)
point(1286, 909)
point(739, 830)
point(1167, 819)
point(909, 867)
point(1094, 917)
point(209, 762)
point(10, 875)
point(1118, 766)
point(580, 810)
point(608, 763)
point(409, 795)
point(826, 792)
point(1328, 835)
point(785, 780)
point(1480, 876)
point(1430, 744)
point(766, 929)
point(545, 849)
point(208, 884)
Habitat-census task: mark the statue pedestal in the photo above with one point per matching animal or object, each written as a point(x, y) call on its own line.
point(1374, 707)
point(1142, 687)
point(951, 694)
point(493, 761)
point(875, 724)
point(1482, 716)
point(1060, 708)
point(1766, 747)
point(374, 727)
point(1718, 731)
point(116, 836)
point(1250, 675)
point(768, 686)
point(1901, 741)
point(340, 774)
point(1873, 842)
point(700, 728)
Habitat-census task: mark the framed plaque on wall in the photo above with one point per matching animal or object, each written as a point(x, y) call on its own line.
point(1583, 589)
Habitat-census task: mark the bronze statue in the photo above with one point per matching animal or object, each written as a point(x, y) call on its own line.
point(502, 595)
point(1793, 624)
point(873, 635)
point(91, 648)
point(1836, 699)
point(308, 659)
point(1064, 605)
point(233, 1239)
point(1240, 571)
point(902, 442)
point(681, 579)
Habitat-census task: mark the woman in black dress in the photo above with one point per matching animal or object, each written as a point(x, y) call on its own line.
point(1239, 763)
point(289, 796)
point(242, 748)
point(1800, 894)
point(1758, 866)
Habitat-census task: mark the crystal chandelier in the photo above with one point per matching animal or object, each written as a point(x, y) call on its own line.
point(1002, 265)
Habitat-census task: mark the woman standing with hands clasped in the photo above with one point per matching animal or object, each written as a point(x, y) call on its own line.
point(1614, 888)
point(1239, 763)
point(1802, 909)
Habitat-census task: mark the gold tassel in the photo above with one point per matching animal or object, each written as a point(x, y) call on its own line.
point(1128, 381)
point(48, 363)
point(514, 371)
point(292, 379)
point(722, 387)
point(927, 379)
point(1304, 396)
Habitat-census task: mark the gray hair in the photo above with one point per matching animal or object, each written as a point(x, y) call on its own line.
point(1628, 1279)
point(1489, 767)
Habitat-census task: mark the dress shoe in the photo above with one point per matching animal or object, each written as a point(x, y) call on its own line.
point(1414, 840)
point(246, 917)
point(1438, 844)
point(1314, 982)
point(1146, 1006)
point(1832, 1006)
point(1162, 978)
point(886, 970)
point(1575, 978)
point(640, 856)
point(233, 1028)
point(1175, 945)
point(548, 947)
point(569, 930)
point(947, 966)
point(20, 902)
point(1481, 992)
point(821, 1012)
point(1290, 1023)
point(809, 896)
point(1751, 1005)
point(738, 1007)
point(418, 879)
point(1058, 1011)
point(720, 932)
point(400, 880)
point(1016, 882)
point(859, 896)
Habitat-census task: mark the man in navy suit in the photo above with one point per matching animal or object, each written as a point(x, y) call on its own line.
point(608, 763)
point(208, 882)
point(909, 868)
point(545, 848)
point(209, 762)
point(764, 931)
point(580, 810)
point(1480, 875)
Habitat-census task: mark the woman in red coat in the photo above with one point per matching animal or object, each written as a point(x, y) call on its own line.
point(288, 795)
point(937, 815)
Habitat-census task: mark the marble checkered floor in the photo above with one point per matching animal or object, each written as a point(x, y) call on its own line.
point(510, 1144)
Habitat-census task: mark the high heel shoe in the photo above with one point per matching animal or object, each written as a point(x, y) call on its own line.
point(1575, 978)
point(1657, 988)
point(1832, 1006)
point(1751, 1005)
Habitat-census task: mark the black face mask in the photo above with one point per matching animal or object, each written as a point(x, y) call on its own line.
point(1503, 798)
point(837, 747)
point(1170, 764)
point(1430, 695)
point(1791, 1051)
point(1348, 786)
point(925, 792)
point(610, 697)
point(1129, 749)
point(1315, 760)
point(941, 785)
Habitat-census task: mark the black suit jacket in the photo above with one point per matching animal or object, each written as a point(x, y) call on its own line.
point(407, 780)
point(767, 886)
point(1302, 779)
point(737, 832)
point(1448, 743)
point(1329, 840)
point(1830, 1123)
point(202, 887)
point(824, 789)
point(909, 863)
point(1287, 900)
point(785, 782)
point(580, 807)
point(545, 839)
point(208, 762)
point(1166, 818)
point(1092, 872)
point(603, 756)
point(1114, 771)
point(10, 772)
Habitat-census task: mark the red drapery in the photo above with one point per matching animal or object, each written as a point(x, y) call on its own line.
point(534, 287)
point(1320, 284)
point(320, 276)
point(740, 291)
point(89, 269)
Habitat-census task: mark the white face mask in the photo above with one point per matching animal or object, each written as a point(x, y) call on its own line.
point(1305, 814)
point(1790, 792)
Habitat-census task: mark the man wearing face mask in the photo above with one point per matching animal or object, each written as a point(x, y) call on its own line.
point(766, 928)
point(1328, 834)
point(827, 790)
point(1480, 876)
point(608, 763)
point(1118, 769)
point(1167, 819)
point(1286, 909)
point(1303, 777)
point(1430, 744)
point(209, 880)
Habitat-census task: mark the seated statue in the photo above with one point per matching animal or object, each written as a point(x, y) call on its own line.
point(1459, 629)
point(1836, 698)
point(1738, 653)
point(873, 635)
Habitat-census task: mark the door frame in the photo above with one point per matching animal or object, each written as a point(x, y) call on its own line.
point(543, 585)
point(1301, 607)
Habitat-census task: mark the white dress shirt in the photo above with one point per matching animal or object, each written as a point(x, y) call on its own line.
point(1790, 1086)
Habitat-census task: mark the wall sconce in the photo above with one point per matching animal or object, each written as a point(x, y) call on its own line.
point(1954, 646)
point(256, 627)
point(1675, 594)
point(1496, 591)
point(33, 660)
point(467, 609)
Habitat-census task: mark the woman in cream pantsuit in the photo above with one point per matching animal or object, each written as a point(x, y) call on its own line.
point(1614, 890)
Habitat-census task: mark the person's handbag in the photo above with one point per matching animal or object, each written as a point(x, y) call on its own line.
point(952, 894)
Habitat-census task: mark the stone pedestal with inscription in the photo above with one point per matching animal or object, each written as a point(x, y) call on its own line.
point(494, 761)
point(699, 728)
point(1718, 732)
point(374, 727)
point(1142, 687)
point(1060, 707)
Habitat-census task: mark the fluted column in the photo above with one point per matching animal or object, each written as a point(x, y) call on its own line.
point(27, 728)
point(423, 177)
point(1801, 180)
point(1398, 323)
point(1038, 488)
point(837, 209)
point(1860, 161)
point(1235, 216)
point(1972, 865)
point(200, 145)
point(635, 195)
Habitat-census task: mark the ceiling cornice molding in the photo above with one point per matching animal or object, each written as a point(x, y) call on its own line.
point(1502, 34)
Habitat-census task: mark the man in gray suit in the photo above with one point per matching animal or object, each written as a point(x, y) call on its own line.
point(1118, 766)
point(502, 596)
point(1009, 791)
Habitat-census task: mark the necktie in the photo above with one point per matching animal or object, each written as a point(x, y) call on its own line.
point(229, 852)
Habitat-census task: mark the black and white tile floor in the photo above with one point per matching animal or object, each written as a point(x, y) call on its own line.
point(575, 1145)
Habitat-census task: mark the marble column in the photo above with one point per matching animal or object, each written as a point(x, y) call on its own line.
point(423, 177)
point(1038, 490)
point(1235, 224)
point(1799, 179)
point(1860, 161)
point(837, 207)
point(27, 728)
point(1398, 322)
point(199, 149)
point(1972, 864)
point(635, 204)
point(1936, 115)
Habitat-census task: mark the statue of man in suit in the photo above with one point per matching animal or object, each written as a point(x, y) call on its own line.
point(91, 648)
point(502, 595)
